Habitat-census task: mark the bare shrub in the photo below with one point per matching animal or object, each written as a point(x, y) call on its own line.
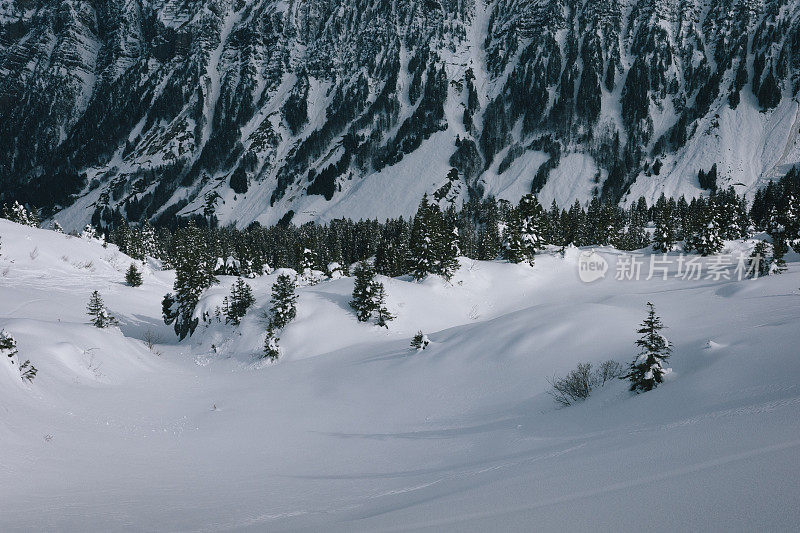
point(607, 371)
point(578, 384)
point(34, 254)
point(151, 339)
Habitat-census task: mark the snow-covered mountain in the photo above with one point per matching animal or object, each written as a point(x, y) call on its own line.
point(314, 109)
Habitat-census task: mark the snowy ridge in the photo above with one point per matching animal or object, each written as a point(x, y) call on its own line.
point(353, 430)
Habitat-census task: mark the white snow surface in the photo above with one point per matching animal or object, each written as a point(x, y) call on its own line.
point(352, 430)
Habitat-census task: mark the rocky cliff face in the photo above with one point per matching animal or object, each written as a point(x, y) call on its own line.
point(264, 109)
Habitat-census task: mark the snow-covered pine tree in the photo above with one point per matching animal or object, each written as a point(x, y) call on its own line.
point(335, 270)
point(283, 307)
point(379, 299)
point(8, 348)
point(776, 227)
point(133, 277)
point(96, 309)
point(647, 371)
point(513, 246)
point(272, 348)
point(448, 249)
point(634, 236)
point(89, 233)
point(363, 301)
point(17, 213)
point(240, 300)
point(525, 232)
point(422, 250)
point(308, 267)
point(490, 239)
point(420, 341)
point(760, 260)
point(664, 237)
point(193, 274)
point(706, 238)
point(57, 227)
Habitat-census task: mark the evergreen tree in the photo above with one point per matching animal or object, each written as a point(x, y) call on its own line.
point(490, 239)
point(240, 300)
point(194, 269)
point(133, 277)
point(363, 301)
point(526, 230)
point(664, 236)
point(433, 244)
point(8, 348)
point(420, 341)
point(308, 267)
point(647, 371)
point(706, 238)
point(272, 349)
point(760, 260)
point(422, 252)
point(90, 234)
point(379, 299)
point(449, 249)
point(777, 231)
point(17, 213)
point(283, 307)
point(96, 309)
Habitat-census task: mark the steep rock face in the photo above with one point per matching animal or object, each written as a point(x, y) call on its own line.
point(250, 109)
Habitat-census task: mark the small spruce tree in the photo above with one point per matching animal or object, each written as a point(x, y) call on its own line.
point(363, 301)
point(272, 349)
point(760, 260)
point(240, 300)
point(420, 341)
point(379, 299)
point(8, 347)
point(96, 309)
point(133, 277)
point(283, 307)
point(647, 371)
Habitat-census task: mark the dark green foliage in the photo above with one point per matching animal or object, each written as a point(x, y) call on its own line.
point(27, 371)
point(100, 317)
point(194, 267)
point(283, 306)
point(647, 370)
point(8, 347)
point(525, 231)
point(769, 94)
point(420, 341)
point(760, 260)
point(433, 245)
point(708, 180)
point(363, 291)
point(239, 181)
point(133, 277)
point(239, 301)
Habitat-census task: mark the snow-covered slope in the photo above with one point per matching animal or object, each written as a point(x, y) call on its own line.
point(253, 109)
point(351, 430)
